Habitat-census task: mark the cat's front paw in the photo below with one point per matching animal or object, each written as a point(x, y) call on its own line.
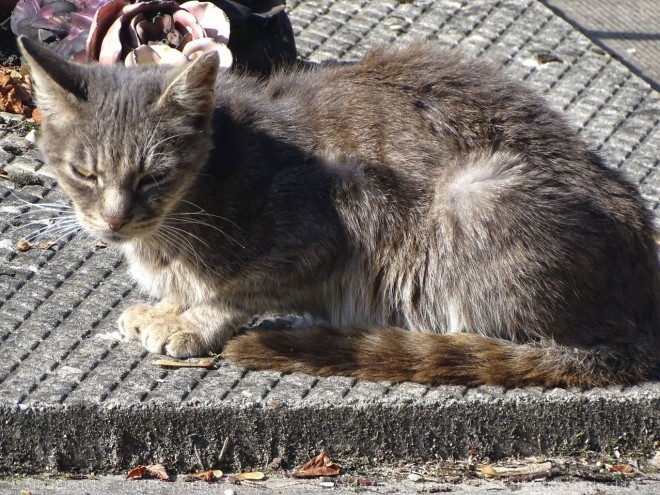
point(162, 332)
point(135, 318)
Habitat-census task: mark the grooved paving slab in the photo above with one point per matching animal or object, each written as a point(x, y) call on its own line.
point(628, 28)
point(73, 396)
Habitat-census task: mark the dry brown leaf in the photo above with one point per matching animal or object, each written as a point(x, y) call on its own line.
point(530, 471)
point(623, 468)
point(88, 476)
point(26, 492)
point(158, 471)
point(3, 174)
point(137, 472)
point(36, 115)
point(321, 465)
point(15, 91)
point(46, 244)
point(252, 476)
point(202, 363)
point(209, 476)
point(24, 245)
point(151, 471)
point(99, 244)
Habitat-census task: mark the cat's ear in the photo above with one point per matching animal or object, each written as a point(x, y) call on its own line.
point(59, 83)
point(192, 89)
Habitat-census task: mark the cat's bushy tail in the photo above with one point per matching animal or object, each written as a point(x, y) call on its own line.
point(397, 355)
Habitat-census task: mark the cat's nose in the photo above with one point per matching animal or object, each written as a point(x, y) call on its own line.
point(116, 223)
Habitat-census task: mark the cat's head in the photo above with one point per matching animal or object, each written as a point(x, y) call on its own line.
point(126, 144)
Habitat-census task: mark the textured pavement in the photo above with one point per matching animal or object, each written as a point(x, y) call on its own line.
point(75, 397)
point(115, 485)
point(630, 29)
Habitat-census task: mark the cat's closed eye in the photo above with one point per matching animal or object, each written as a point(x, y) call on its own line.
point(84, 173)
point(151, 180)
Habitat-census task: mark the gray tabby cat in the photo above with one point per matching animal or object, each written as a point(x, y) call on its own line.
point(443, 222)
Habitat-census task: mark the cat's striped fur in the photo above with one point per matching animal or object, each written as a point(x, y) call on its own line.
point(444, 223)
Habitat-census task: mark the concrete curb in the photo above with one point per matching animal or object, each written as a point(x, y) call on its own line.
point(448, 422)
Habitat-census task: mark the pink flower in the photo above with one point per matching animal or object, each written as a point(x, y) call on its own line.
point(48, 20)
point(157, 32)
point(126, 31)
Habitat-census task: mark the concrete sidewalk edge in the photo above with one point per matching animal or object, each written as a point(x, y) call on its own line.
point(112, 439)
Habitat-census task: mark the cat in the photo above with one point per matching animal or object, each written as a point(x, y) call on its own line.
point(438, 220)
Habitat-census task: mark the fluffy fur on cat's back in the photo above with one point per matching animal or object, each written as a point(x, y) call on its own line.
point(441, 221)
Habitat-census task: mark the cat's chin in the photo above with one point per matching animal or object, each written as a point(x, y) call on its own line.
point(115, 238)
point(124, 236)
point(121, 238)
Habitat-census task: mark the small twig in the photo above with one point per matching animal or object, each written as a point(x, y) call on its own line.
point(224, 448)
point(3, 23)
point(199, 459)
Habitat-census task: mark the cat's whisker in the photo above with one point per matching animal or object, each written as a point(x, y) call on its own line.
point(60, 225)
point(177, 244)
point(37, 232)
point(205, 224)
point(166, 233)
point(147, 147)
point(185, 247)
point(174, 136)
point(202, 211)
point(57, 215)
point(192, 253)
point(46, 224)
point(52, 230)
point(81, 234)
point(151, 151)
point(155, 155)
point(17, 218)
point(40, 209)
point(32, 217)
point(49, 206)
point(16, 196)
point(91, 147)
point(66, 233)
point(185, 232)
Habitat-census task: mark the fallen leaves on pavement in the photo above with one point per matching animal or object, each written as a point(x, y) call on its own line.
point(234, 479)
point(157, 471)
point(523, 473)
point(24, 245)
point(46, 244)
point(15, 91)
point(321, 465)
point(623, 468)
point(202, 363)
point(252, 476)
point(209, 476)
point(72, 476)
